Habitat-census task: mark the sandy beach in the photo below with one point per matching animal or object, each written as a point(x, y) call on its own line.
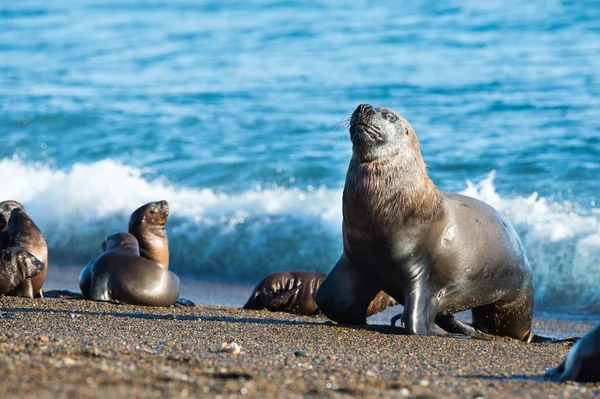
point(64, 346)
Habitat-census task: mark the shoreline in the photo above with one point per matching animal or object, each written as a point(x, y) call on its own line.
point(64, 346)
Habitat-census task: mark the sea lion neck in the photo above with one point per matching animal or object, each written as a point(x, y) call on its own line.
point(381, 195)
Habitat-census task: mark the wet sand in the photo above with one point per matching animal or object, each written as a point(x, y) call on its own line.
point(66, 347)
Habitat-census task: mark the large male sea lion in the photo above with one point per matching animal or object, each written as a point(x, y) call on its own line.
point(24, 234)
point(435, 253)
point(582, 362)
point(294, 292)
point(121, 274)
point(17, 266)
point(147, 224)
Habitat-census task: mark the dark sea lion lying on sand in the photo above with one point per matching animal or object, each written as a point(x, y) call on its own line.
point(121, 274)
point(436, 253)
point(294, 292)
point(133, 261)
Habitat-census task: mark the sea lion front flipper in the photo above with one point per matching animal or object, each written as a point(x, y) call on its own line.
point(556, 372)
point(23, 290)
point(280, 299)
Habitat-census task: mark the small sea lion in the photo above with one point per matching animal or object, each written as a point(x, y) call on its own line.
point(16, 266)
point(294, 292)
point(24, 234)
point(582, 362)
point(121, 274)
point(147, 224)
point(435, 253)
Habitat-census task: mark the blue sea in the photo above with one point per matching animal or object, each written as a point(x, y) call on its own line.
point(234, 113)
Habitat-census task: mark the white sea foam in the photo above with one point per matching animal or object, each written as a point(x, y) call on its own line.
point(255, 232)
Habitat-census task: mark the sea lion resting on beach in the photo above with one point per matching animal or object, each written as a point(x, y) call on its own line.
point(17, 266)
point(294, 292)
point(582, 362)
point(17, 230)
point(121, 274)
point(435, 253)
point(147, 226)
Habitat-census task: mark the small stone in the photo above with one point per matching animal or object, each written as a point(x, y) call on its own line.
point(44, 338)
point(302, 353)
point(69, 362)
point(404, 392)
point(231, 347)
point(424, 383)
point(74, 315)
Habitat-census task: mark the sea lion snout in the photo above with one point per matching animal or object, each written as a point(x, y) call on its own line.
point(364, 125)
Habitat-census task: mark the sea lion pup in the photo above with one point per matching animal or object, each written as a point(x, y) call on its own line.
point(24, 234)
point(582, 362)
point(16, 266)
point(435, 253)
point(147, 224)
point(121, 274)
point(294, 292)
point(6, 208)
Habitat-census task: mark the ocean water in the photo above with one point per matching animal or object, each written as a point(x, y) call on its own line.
point(233, 112)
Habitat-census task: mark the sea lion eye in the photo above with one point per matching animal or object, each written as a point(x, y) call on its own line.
point(389, 116)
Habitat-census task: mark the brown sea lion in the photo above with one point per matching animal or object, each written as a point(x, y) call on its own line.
point(436, 253)
point(121, 274)
point(6, 208)
point(24, 234)
point(17, 266)
point(294, 292)
point(582, 362)
point(147, 224)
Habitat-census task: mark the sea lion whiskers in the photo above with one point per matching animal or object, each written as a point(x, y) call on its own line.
point(342, 126)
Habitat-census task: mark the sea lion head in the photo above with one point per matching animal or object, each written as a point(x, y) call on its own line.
point(378, 133)
point(6, 208)
point(120, 241)
point(154, 213)
point(32, 265)
point(28, 264)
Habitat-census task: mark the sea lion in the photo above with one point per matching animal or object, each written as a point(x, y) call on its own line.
point(582, 362)
point(435, 253)
point(121, 274)
point(24, 234)
point(294, 292)
point(147, 224)
point(6, 208)
point(16, 266)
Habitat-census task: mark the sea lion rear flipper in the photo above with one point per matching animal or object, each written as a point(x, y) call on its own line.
point(452, 325)
point(280, 299)
point(540, 339)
